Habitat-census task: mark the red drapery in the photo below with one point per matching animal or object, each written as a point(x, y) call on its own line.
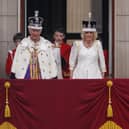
point(64, 104)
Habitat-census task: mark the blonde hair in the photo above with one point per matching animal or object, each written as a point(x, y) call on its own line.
point(95, 34)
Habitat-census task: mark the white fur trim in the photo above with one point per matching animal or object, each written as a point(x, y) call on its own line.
point(35, 27)
point(89, 30)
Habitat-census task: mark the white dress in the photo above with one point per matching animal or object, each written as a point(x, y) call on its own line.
point(87, 63)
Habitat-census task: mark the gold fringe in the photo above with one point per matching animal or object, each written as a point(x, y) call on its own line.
point(109, 111)
point(7, 112)
point(7, 125)
point(110, 125)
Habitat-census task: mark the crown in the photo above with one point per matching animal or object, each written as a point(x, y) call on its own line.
point(89, 25)
point(35, 22)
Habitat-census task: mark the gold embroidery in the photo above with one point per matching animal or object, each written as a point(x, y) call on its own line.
point(34, 65)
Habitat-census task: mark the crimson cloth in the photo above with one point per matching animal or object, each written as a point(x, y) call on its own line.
point(64, 104)
point(65, 53)
point(9, 61)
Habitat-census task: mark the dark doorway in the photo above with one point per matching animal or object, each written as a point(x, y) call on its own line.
point(100, 14)
point(105, 24)
point(53, 12)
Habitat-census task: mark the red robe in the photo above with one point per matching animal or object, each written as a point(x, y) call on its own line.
point(9, 61)
point(65, 53)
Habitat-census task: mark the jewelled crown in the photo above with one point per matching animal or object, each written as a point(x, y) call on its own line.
point(89, 25)
point(35, 22)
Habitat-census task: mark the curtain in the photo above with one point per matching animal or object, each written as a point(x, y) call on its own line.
point(65, 104)
point(53, 12)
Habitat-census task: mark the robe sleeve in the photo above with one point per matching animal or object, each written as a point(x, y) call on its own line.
point(101, 57)
point(73, 55)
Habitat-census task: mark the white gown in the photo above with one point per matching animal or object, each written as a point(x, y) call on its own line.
point(87, 63)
